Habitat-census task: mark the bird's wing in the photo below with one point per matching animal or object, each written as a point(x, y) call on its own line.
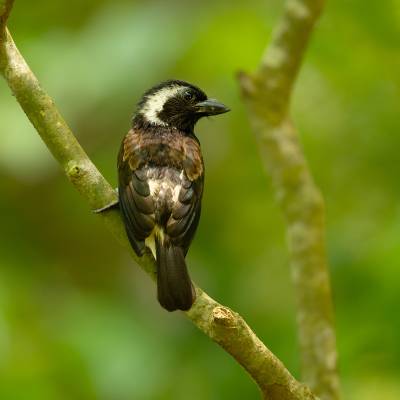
point(137, 206)
point(182, 224)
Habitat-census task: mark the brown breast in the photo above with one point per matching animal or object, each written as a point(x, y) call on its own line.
point(165, 147)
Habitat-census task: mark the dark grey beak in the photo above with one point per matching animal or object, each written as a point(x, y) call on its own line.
point(211, 107)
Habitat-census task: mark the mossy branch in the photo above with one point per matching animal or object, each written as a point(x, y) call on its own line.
point(266, 94)
point(221, 324)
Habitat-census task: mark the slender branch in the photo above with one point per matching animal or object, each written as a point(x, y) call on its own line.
point(231, 332)
point(267, 96)
point(221, 324)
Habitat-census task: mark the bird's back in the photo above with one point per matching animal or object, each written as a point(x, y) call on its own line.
point(161, 176)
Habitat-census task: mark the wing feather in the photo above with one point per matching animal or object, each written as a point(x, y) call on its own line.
point(185, 215)
point(140, 211)
point(134, 192)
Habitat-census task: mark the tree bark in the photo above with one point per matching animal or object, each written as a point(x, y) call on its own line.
point(266, 94)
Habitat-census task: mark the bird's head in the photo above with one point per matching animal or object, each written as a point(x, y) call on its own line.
point(176, 104)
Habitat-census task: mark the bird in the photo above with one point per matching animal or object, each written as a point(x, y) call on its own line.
point(160, 182)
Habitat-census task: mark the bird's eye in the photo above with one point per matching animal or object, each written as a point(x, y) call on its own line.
point(188, 95)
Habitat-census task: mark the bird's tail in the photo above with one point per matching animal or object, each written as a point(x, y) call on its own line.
point(174, 287)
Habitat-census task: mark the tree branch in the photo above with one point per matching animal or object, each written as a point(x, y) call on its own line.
point(221, 324)
point(267, 96)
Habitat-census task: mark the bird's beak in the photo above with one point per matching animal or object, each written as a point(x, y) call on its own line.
point(211, 107)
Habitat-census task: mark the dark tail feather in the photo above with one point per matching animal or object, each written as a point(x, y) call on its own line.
point(174, 287)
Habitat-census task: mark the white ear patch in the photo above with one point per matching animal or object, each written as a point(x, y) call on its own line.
point(155, 103)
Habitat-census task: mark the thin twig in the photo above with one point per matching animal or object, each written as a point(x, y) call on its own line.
point(267, 96)
point(224, 326)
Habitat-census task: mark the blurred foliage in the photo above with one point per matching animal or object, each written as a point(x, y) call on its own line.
point(77, 319)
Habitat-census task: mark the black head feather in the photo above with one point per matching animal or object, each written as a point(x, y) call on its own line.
point(173, 103)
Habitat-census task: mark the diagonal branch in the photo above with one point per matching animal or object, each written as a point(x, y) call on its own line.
point(221, 324)
point(267, 96)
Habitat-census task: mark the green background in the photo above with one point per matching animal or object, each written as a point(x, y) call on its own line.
point(78, 320)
